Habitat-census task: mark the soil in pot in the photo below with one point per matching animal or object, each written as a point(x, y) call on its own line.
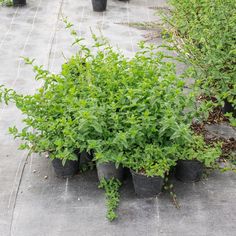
point(189, 170)
point(145, 186)
point(19, 3)
point(109, 170)
point(99, 5)
point(68, 170)
point(229, 108)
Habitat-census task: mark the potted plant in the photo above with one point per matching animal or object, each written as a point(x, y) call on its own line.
point(193, 157)
point(67, 113)
point(149, 165)
point(100, 129)
point(99, 5)
point(153, 117)
point(70, 113)
point(49, 123)
point(64, 115)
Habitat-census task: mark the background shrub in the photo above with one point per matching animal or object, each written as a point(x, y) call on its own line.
point(204, 32)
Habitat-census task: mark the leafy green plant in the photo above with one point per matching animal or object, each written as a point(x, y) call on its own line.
point(146, 111)
point(197, 149)
point(111, 188)
point(144, 107)
point(49, 126)
point(87, 166)
point(152, 116)
point(204, 33)
point(62, 116)
point(56, 120)
point(104, 102)
point(152, 159)
point(6, 3)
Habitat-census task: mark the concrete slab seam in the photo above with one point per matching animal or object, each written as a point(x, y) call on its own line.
point(158, 215)
point(17, 191)
point(25, 161)
point(50, 67)
point(7, 33)
point(10, 27)
point(26, 42)
point(54, 32)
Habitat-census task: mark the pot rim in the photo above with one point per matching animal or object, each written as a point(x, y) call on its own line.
point(194, 161)
point(144, 176)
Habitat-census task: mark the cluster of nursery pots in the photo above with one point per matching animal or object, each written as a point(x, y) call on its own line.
point(126, 116)
point(103, 117)
point(120, 113)
point(71, 168)
point(144, 186)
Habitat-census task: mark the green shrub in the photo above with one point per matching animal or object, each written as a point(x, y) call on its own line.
point(204, 32)
point(108, 104)
point(73, 109)
point(197, 149)
point(153, 115)
point(6, 3)
point(49, 125)
point(127, 111)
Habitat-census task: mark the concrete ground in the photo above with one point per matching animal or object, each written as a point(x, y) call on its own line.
point(32, 205)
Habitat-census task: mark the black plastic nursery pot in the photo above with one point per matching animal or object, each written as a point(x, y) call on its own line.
point(68, 170)
point(145, 186)
point(99, 5)
point(19, 3)
point(109, 171)
point(229, 108)
point(189, 170)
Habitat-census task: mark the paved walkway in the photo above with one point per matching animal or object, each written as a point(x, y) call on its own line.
point(31, 205)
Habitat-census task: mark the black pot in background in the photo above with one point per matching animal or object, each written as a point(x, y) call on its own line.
point(145, 186)
point(68, 170)
point(189, 170)
point(229, 108)
point(19, 3)
point(109, 170)
point(99, 5)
